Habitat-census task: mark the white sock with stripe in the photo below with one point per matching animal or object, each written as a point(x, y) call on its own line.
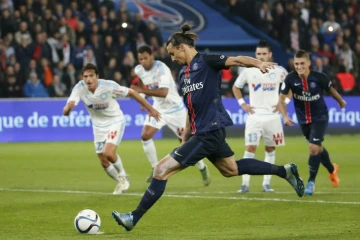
point(150, 151)
point(270, 158)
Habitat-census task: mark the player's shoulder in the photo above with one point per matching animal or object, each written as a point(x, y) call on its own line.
point(292, 75)
point(211, 57)
point(80, 85)
point(280, 68)
point(104, 83)
point(318, 75)
point(161, 66)
point(139, 70)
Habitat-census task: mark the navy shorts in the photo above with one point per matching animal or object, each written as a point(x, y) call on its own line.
point(314, 132)
point(211, 145)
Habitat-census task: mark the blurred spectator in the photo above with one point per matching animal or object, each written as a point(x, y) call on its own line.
point(346, 81)
point(57, 88)
point(12, 88)
point(34, 88)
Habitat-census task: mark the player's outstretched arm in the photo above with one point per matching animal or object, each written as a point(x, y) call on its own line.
point(245, 61)
point(282, 106)
point(160, 92)
point(68, 107)
point(337, 97)
point(152, 111)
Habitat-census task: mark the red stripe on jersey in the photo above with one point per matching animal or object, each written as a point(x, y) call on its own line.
point(187, 71)
point(192, 114)
point(307, 104)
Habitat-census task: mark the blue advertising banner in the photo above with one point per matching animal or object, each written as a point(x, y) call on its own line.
point(41, 120)
point(26, 120)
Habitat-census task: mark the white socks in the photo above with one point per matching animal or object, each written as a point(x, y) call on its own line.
point(112, 172)
point(200, 164)
point(150, 151)
point(119, 166)
point(246, 177)
point(270, 158)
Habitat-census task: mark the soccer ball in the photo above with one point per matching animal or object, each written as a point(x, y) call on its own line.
point(87, 221)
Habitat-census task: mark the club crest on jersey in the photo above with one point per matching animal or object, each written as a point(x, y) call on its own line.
point(272, 76)
point(312, 85)
point(103, 96)
point(195, 66)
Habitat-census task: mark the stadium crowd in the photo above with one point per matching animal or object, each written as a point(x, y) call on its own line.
point(328, 29)
point(45, 43)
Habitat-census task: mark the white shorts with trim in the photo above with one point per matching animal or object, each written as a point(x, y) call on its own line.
point(267, 126)
point(175, 121)
point(111, 134)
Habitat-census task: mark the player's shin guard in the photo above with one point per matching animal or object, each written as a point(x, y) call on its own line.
point(246, 177)
point(150, 151)
point(111, 171)
point(119, 166)
point(325, 160)
point(151, 195)
point(255, 167)
point(269, 158)
point(314, 163)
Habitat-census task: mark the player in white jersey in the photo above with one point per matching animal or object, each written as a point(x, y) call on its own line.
point(99, 97)
point(155, 79)
point(263, 113)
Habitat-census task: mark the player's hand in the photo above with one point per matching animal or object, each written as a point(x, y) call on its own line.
point(155, 114)
point(136, 88)
point(276, 108)
point(71, 104)
point(288, 121)
point(266, 66)
point(247, 108)
point(342, 103)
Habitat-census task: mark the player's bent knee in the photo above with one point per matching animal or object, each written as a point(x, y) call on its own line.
point(146, 137)
point(160, 172)
point(314, 149)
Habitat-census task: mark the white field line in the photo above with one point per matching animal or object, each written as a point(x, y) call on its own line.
point(300, 200)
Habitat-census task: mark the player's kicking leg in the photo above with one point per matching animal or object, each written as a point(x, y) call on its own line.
point(162, 171)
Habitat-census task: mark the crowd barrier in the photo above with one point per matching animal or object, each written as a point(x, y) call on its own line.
point(40, 120)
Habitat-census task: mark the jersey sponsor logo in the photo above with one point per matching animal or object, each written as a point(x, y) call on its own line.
point(187, 80)
point(98, 106)
point(307, 96)
point(269, 86)
point(256, 87)
point(112, 134)
point(278, 138)
point(192, 87)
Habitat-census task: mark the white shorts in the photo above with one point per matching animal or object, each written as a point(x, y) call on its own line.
point(175, 121)
point(111, 134)
point(267, 126)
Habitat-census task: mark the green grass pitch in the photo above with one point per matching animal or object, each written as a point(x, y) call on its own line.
point(44, 185)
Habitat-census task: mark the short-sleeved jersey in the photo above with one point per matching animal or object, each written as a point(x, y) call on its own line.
point(263, 88)
point(308, 95)
point(200, 84)
point(101, 105)
point(159, 76)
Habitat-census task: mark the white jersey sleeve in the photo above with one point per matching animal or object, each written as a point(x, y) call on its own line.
point(77, 92)
point(119, 91)
point(283, 73)
point(241, 80)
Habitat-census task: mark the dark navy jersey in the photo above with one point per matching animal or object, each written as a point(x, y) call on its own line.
point(308, 95)
point(200, 85)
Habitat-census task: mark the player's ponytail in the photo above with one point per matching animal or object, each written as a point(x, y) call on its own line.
point(183, 37)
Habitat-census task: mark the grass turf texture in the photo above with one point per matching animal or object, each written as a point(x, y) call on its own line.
point(44, 185)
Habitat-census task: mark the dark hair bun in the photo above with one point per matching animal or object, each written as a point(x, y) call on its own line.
point(185, 28)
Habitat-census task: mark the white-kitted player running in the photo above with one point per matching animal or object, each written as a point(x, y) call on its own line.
point(263, 113)
point(155, 79)
point(99, 97)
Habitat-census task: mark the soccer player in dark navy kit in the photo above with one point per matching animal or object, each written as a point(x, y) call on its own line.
point(308, 87)
point(204, 136)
